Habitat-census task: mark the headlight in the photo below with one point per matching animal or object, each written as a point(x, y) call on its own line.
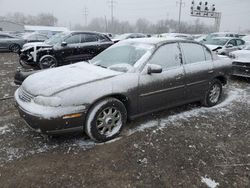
point(48, 101)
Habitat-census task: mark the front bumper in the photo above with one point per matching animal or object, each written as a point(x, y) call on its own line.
point(241, 69)
point(51, 125)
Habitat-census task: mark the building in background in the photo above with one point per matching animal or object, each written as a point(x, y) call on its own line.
point(9, 26)
point(47, 30)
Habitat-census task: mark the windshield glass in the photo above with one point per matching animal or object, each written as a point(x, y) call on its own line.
point(220, 42)
point(57, 38)
point(125, 55)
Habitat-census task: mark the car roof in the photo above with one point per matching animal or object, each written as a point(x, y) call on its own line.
point(227, 38)
point(84, 32)
point(155, 40)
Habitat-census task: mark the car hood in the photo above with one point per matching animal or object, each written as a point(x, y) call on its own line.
point(52, 81)
point(213, 47)
point(33, 44)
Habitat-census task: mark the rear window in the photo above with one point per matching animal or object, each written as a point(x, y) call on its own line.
point(193, 53)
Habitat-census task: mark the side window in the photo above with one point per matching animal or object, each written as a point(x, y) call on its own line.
point(233, 42)
point(88, 38)
point(193, 53)
point(103, 38)
point(73, 39)
point(208, 54)
point(167, 56)
point(240, 42)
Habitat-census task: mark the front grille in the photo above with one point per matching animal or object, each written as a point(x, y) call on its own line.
point(241, 64)
point(24, 95)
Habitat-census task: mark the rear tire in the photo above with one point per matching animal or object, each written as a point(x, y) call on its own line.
point(105, 120)
point(15, 48)
point(213, 95)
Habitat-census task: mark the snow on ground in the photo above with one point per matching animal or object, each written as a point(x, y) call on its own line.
point(11, 149)
point(209, 182)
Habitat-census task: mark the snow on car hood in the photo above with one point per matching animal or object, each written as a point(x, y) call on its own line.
point(33, 44)
point(213, 47)
point(49, 82)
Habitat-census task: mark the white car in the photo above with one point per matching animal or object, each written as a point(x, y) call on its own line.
point(241, 62)
point(225, 45)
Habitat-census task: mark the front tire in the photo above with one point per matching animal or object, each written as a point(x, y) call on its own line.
point(213, 95)
point(105, 120)
point(15, 48)
point(47, 61)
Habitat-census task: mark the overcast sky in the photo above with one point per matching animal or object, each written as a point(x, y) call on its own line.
point(235, 13)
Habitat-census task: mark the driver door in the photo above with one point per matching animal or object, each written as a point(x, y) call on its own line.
point(166, 89)
point(70, 53)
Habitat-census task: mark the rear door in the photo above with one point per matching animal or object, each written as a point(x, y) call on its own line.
point(198, 66)
point(157, 91)
point(103, 43)
point(240, 44)
point(88, 46)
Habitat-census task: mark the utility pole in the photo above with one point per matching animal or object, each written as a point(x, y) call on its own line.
point(112, 6)
point(85, 14)
point(180, 9)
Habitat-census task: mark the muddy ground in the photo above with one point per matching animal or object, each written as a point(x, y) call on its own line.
point(188, 146)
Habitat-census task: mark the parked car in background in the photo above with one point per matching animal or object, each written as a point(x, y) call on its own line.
point(128, 36)
point(220, 34)
point(64, 48)
point(246, 39)
point(225, 45)
point(241, 62)
point(130, 79)
point(177, 35)
point(11, 43)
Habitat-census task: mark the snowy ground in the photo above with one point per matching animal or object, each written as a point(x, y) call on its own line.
point(189, 146)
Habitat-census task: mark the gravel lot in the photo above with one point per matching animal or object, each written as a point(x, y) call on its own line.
point(189, 146)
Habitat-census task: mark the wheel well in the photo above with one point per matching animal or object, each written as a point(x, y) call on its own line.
point(119, 97)
point(222, 79)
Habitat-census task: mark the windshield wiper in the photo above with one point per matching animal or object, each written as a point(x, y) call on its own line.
point(101, 66)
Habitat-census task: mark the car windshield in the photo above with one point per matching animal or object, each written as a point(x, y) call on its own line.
point(57, 38)
point(121, 55)
point(220, 42)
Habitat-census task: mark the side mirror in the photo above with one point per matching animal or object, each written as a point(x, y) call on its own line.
point(64, 43)
point(152, 68)
point(229, 46)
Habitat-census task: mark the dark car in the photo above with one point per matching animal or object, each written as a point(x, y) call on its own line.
point(64, 48)
point(11, 43)
point(130, 79)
